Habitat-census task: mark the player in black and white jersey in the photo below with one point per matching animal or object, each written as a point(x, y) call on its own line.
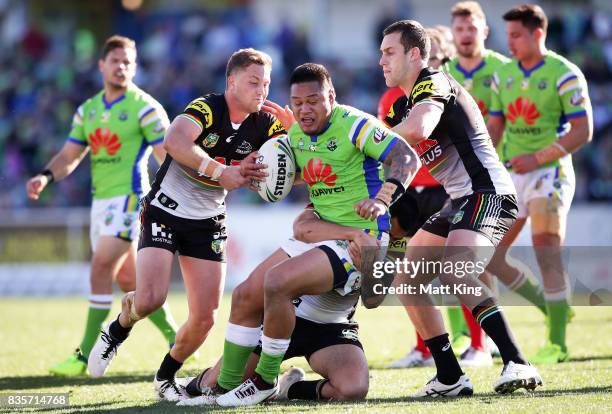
point(443, 122)
point(185, 212)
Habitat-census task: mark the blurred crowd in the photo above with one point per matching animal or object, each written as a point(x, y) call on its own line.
point(46, 71)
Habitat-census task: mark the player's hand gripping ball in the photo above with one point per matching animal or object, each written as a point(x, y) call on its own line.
point(277, 155)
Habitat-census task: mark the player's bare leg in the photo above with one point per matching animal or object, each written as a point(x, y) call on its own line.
point(204, 281)
point(109, 254)
point(244, 328)
point(309, 273)
point(345, 371)
point(548, 222)
point(152, 282)
point(427, 320)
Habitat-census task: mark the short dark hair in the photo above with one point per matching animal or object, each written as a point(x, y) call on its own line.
point(530, 15)
point(413, 35)
point(311, 72)
point(243, 58)
point(117, 42)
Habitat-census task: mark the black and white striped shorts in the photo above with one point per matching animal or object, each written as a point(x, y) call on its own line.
point(489, 214)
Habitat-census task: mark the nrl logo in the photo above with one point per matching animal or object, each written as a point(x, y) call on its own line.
point(210, 140)
point(332, 145)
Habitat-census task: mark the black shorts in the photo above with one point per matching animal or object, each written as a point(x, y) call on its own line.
point(489, 214)
point(309, 337)
point(414, 207)
point(203, 239)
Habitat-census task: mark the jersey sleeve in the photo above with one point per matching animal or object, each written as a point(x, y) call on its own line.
point(496, 107)
point(77, 130)
point(433, 89)
point(199, 112)
point(274, 127)
point(573, 93)
point(396, 112)
point(372, 138)
point(153, 122)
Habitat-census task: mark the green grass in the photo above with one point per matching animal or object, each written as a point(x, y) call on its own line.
point(36, 333)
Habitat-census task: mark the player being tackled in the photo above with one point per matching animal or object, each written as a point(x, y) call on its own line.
point(336, 144)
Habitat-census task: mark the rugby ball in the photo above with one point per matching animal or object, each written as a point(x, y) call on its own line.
point(276, 153)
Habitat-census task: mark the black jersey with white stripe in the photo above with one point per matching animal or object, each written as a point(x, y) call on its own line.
point(459, 153)
point(180, 190)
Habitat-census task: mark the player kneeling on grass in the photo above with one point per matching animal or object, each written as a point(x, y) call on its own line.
point(340, 151)
point(325, 332)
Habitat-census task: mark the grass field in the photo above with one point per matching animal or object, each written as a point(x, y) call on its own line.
point(35, 333)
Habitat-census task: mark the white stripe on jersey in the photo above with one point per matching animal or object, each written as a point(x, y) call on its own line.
point(565, 77)
point(365, 135)
point(144, 111)
point(354, 126)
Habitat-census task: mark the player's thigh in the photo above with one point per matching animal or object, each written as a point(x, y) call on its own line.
point(309, 273)
point(250, 293)
point(548, 195)
point(345, 366)
point(204, 281)
point(110, 253)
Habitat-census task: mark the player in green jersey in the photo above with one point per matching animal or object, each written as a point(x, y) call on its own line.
point(340, 152)
point(541, 105)
point(120, 125)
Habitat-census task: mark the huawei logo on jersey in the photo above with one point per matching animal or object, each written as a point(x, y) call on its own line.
point(104, 138)
point(524, 108)
point(316, 172)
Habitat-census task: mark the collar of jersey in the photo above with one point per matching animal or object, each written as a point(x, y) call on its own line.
point(313, 138)
point(528, 73)
point(109, 105)
point(469, 73)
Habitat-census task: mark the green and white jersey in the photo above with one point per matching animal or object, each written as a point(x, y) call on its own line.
point(537, 103)
point(478, 80)
point(342, 165)
point(120, 135)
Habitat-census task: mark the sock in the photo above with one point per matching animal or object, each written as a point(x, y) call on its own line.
point(168, 368)
point(420, 346)
point(272, 353)
point(477, 335)
point(557, 322)
point(99, 308)
point(456, 321)
point(239, 343)
point(307, 390)
point(447, 366)
point(163, 320)
point(492, 320)
point(117, 331)
point(530, 290)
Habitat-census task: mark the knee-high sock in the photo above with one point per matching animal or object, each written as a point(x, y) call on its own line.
point(239, 343)
point(456, 321)
point(99, 308)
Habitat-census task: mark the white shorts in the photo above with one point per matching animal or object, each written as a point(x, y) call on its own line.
point(558, 183)
point(116, 216)
point(347, 279)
